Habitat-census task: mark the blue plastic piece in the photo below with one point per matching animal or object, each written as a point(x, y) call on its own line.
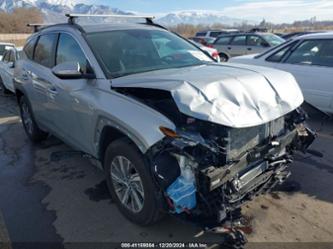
point(183, 194)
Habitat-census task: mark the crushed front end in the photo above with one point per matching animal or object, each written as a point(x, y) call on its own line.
point(207, 171)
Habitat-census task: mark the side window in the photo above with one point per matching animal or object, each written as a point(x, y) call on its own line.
point(215, 33)
point(12, 56)
point(239, 40)
point(69, 51)
point(5, 57)
point(313, 52)
point(254, 40)
point(45, 49)
point(279, 55)
point(2, 49)
point(223, 40)
point(29, 48)
point(201, 34)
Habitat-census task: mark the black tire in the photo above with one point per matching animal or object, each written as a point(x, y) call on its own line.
point(32, 130)
point(150, 212)
point(223, 57)
point(3, 89)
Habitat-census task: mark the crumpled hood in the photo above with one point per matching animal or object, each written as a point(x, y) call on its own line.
point(233, 95)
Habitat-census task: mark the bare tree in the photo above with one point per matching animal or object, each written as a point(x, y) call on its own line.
point(17, 20)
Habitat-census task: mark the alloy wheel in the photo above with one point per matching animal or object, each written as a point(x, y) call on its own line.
point(127, 183)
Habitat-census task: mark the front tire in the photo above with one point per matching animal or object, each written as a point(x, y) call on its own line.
point(31, 128)
point(130, 183)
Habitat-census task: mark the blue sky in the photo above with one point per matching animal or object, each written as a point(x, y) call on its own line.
point(271, 10)
point(162, 6)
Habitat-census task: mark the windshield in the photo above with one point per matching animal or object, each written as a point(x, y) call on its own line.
point(273, 40)
point(272, 49)
point(125, 52)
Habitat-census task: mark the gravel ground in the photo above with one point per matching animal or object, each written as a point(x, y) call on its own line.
point(50, 194)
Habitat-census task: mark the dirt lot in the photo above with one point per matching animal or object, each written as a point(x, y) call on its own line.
point(48, 194)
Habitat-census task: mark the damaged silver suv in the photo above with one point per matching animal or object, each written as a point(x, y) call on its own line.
point(175, 131)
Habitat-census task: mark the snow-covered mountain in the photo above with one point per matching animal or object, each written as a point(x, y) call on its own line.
point(198, 17)
point(54, 11)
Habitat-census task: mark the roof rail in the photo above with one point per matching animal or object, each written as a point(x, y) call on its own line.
point(72, 17)
point(37, 26)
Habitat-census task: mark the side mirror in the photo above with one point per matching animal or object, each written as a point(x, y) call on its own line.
point(11, 64)
point(70, 71)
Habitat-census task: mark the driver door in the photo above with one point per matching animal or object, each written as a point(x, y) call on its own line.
point(69, 100)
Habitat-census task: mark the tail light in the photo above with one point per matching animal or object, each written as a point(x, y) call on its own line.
point(215, 54)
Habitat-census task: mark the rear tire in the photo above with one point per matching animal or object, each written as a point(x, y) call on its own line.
point(223, 57)
point(126, 170)
point(31, 128)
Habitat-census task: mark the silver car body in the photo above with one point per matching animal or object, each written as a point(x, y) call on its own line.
point(222, 94)
point(212, 136)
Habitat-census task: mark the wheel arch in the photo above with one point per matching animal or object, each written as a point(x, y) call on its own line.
point(108, 131)
point(226, 54)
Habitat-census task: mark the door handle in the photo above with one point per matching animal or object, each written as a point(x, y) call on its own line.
point(249, 49)
point(229, 48)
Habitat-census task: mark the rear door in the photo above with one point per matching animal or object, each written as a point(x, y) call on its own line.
point(40, 73)
point(222, 43)
point(237, 46)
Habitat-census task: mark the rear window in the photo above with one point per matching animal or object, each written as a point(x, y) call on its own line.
point(201, 34)
point(215, 33)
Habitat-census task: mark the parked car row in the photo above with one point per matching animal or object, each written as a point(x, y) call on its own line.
point(244, 43)
point(232, 42)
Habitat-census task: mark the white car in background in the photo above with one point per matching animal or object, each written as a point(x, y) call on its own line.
point(310, 59)
point(5, 46)
point(7, 65)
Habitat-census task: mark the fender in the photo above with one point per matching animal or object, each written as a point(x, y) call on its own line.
point(139, 123)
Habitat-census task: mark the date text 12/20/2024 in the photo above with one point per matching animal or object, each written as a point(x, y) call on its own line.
point(164, 245)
